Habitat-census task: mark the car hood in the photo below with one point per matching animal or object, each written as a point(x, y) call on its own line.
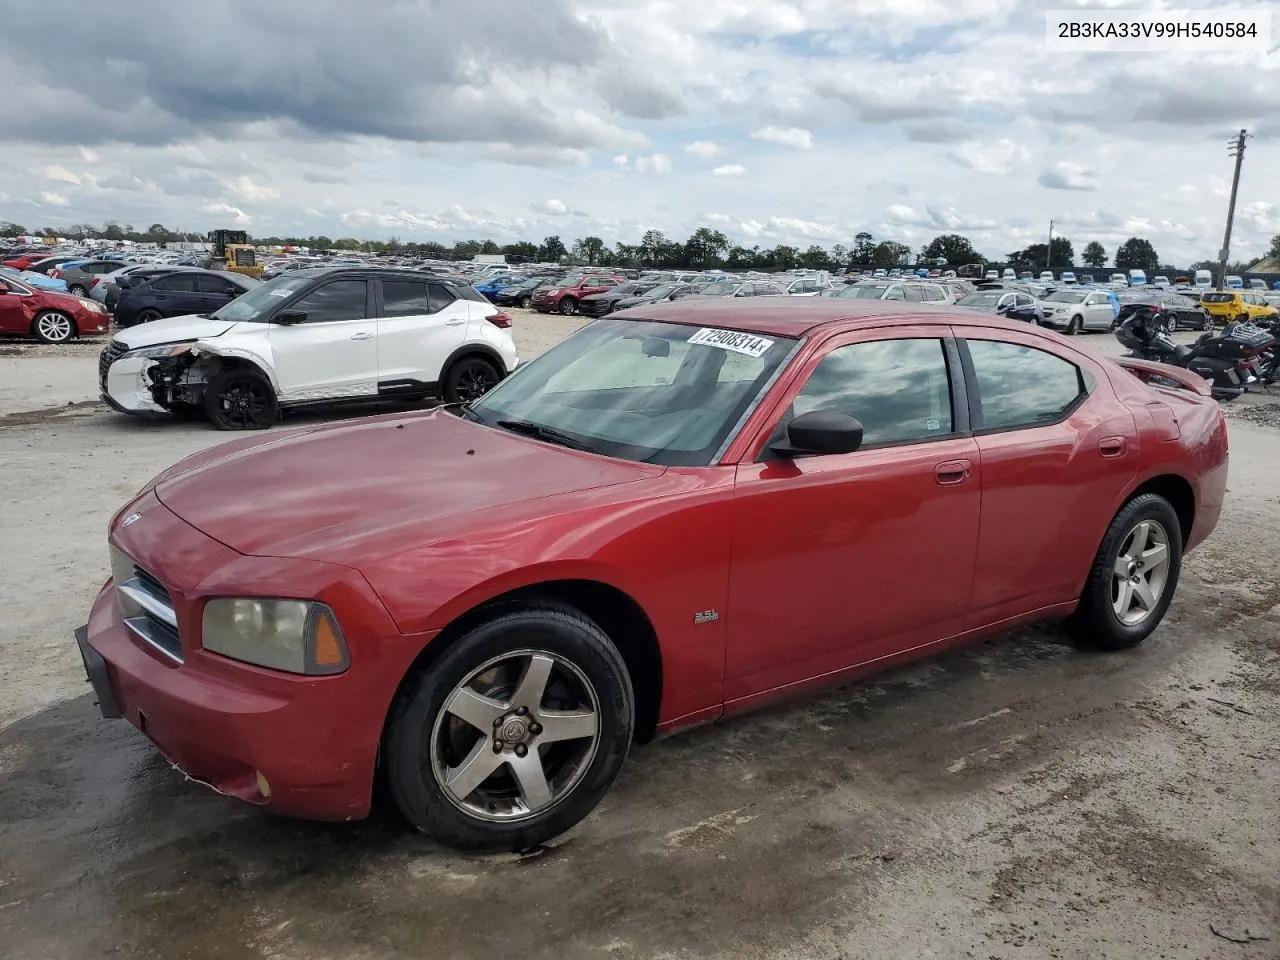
point(171, 330)
point(365, 489)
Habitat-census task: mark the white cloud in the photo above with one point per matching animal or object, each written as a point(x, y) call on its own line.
point(621, 160)
point(729, 170)
point(706, 149)
point(555, 208)
point(717, 218)
point(793, 137)
point(246, 188)
point(658, 163)
point(810, 229)
point(1001, 156)
point(54, 199)
point(752, 228)
point(1068, 176)
point(226, 210)
point(88, 156)
point(62, 174)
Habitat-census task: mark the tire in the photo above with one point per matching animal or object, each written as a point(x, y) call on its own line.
point(53, 326)
point(78, 290)
point(1097, 622)
point(568, 306)
point(526, 303)
point(469, 378)
point(1075, 326)
point(240, 399)
point(147, 316)
point(426, 744)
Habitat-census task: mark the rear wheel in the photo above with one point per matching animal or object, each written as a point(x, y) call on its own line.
point(53, 326)
point(77, 289)
point(469, 379)
point(1134, 576)
point(526, 302)
point(240, 399)
point(513, 734)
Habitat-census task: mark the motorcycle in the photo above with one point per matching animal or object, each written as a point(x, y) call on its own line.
point(1231, 361)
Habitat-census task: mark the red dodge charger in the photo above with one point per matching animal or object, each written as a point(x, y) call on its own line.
point(681, 512)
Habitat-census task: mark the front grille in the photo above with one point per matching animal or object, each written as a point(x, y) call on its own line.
point(112, 352)
point(146, 605)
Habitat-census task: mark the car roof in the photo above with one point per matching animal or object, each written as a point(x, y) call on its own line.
point(799, 316)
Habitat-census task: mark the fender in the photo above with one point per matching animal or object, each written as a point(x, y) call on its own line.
point(238, 351)
point(470, 349)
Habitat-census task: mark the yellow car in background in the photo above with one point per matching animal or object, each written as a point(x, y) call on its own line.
point(1225, 306)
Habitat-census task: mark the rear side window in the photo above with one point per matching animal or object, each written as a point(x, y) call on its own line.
point(177, 283)
point(404, 298)
point(1021, 386)
point(441, 296)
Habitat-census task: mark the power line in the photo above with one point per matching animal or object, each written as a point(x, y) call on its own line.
point(1235, 149)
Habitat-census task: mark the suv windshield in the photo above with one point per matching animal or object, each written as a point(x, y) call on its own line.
point(1217, 297)
point(259, 303)
point(660, 393)
point(863, 292)
point(980, 299)
point(1066, 296)
point(718, 290)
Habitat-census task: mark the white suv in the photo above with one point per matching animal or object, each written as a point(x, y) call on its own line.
point(312, 336)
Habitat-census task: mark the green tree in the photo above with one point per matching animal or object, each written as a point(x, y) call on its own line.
point(158, 232)
point(589, 249)
point(652, 246)
point(785, 257)
point(521, 252)
point(552, 250)
point(839, 256)
point(10, 229)
point(815, 258)
point(864, 250)
point(706, 248)
point(490, 248)
point(626, 254)
point(466, 249)
point(951, 249)
point(1034, 255)
point(1095, 255)
point(889, 253)
point(1274, 251)
point(1137, 254)
point(740, 258)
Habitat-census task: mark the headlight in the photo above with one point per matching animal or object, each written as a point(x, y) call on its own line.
point(291, 635)
point(92, 305)
point(552, 293)
point(159, 352)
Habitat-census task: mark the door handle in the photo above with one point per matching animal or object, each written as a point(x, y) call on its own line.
point(1112, 446)
point(362, 336)
point(454, 323)
point(952, 472)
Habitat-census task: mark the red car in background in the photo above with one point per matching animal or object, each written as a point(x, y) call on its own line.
point(681, 512)
point(23, 261)
point(565, 297)
point(26, 311)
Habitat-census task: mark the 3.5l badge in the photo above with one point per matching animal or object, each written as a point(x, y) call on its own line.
point(130, 519)
point(705, 616)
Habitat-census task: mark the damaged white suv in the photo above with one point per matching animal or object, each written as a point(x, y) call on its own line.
point(309, 337)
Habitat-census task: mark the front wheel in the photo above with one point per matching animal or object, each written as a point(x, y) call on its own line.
point(1074, 326)
point(148, 316)
point(526, 303)
point(53, 326)
point(513, 734)
point(568, 307)
point(240, 399)
point(1134, 576)
point(469, 379)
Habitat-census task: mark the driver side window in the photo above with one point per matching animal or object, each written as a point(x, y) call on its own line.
point(338, 300)
point(899, 389)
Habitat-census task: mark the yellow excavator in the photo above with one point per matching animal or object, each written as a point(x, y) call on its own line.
point(233, 251)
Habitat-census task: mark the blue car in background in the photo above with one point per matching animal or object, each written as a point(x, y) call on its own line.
point(37, 280)
point(491, 286)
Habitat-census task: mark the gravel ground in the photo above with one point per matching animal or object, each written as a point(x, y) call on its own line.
point(1019, 799)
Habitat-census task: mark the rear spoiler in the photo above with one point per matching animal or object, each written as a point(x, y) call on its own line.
point(1165, 375)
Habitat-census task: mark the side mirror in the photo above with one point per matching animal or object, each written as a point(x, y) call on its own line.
point(820, 431)
point(290, 317)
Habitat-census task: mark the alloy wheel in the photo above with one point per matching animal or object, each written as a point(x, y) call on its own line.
point(1141, 573)
point(516, 736)
point(475, 381)
point(54, 327)
point(244, 404)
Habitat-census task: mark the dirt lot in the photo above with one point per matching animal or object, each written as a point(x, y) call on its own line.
point(1020, 799)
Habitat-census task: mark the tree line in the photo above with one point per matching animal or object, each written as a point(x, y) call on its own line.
point(706, 248)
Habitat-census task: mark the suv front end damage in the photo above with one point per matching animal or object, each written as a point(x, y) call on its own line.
point(156, 380)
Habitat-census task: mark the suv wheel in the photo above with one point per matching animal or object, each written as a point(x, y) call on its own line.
point(240, 399)
point(513, 734)
point(468, 379)
point(568, 306)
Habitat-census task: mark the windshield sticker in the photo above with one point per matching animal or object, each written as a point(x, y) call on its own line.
point(281, 293)
point(747, 343)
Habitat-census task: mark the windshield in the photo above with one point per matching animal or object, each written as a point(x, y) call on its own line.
point(980, 300)
point(1065, 296)
point(863, 292)
point(639, 390)
point(1216, 298)
point(718, 290)
point(259, 303)
point(662, 290)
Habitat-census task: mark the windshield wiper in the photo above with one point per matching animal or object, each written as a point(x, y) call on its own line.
point(548, 434)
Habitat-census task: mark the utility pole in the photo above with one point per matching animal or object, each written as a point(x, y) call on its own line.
point(1236, 149)
point(1048, 252)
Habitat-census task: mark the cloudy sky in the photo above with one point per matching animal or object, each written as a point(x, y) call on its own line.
point(799, 121)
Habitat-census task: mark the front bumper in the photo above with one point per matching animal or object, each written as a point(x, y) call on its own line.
point(313, 741)
point(125, 388)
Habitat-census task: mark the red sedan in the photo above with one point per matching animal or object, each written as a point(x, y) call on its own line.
point(27, 311)
point(681, 512)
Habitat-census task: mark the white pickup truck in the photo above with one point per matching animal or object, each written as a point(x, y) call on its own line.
point(309, 337)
